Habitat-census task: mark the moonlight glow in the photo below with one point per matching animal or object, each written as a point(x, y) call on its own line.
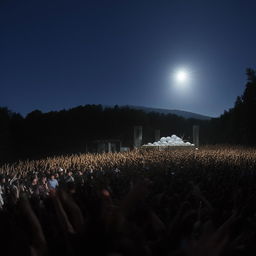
point(181, 76)
point(182, 83)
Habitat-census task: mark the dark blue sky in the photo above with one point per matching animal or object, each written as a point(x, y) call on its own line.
point(60, 54)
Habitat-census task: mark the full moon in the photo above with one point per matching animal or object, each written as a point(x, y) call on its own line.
point(181, 76)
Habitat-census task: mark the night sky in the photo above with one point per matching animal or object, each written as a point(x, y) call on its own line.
point(61, 54)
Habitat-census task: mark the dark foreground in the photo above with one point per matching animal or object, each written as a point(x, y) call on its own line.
point(183, 202)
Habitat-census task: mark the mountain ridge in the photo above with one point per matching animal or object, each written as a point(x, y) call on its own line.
point(182, 113)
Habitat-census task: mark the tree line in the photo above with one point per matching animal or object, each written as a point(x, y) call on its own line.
point(238, 124)
point(71, 131)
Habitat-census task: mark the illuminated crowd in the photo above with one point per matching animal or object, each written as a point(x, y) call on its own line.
point(143, 202)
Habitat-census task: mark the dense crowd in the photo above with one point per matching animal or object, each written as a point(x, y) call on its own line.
point(144, 202)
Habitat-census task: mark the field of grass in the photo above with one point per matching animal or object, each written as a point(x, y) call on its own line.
point(204, 197)
point(206, 157)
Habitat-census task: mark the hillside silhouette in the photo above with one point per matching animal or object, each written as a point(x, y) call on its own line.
point(74, 130)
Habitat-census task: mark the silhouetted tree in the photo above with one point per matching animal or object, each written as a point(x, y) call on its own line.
point(238, 124)
point(68, 131)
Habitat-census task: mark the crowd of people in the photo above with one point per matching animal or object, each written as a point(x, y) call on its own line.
point(143, 202)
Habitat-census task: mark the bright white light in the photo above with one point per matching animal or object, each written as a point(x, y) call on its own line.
point(182, 82)
point(181, 76)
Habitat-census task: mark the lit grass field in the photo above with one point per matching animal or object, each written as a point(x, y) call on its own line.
point(215, 157)
point(177, 193)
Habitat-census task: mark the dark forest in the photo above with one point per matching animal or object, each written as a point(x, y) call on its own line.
point(74, 130)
